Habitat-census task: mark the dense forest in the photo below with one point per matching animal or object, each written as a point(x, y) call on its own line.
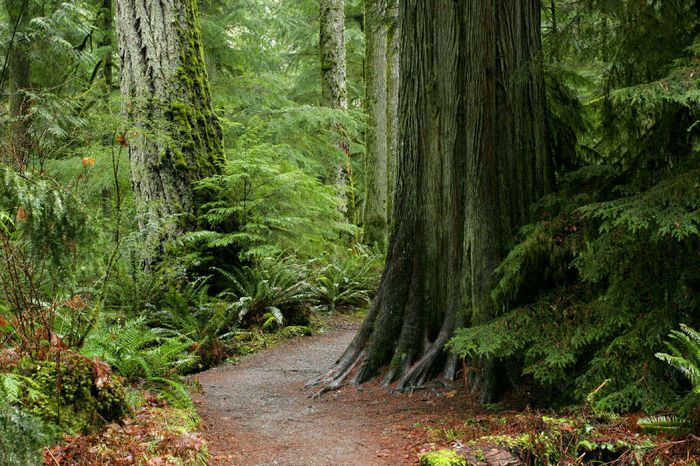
point(503, 197)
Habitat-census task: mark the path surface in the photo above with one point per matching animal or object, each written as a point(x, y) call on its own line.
point(257, 412)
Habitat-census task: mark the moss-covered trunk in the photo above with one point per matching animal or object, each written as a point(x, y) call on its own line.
point(472, 158)
point(106, 23)
point(334, 92)
point(175, 138)
point(375, 208)
point(392, 98)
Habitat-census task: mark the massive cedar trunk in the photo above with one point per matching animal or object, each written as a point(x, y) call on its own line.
point(19, 67)
point(375, 209)
point(392, 100)
point(334, 92)
point(472, 159)
point(176, 138)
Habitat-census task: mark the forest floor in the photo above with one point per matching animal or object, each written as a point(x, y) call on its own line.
point(257, 411)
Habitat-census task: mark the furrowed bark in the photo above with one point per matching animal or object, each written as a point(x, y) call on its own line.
point(176, 138)
point(472, 159)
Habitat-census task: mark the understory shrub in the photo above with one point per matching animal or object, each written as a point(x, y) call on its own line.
point(592, 290)
point(23, 437)
point(64, 389)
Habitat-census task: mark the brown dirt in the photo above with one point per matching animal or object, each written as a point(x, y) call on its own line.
point(257, 412)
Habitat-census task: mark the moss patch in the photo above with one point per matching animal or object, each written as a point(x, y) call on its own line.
point(443, 458)
point(73, 392)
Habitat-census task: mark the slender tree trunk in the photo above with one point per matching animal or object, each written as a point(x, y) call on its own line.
point(19, 68)
point(472, 159)
point(176, 138)
point(107, 63)
point(392, 108)
point(334, 92)
point(375, 211)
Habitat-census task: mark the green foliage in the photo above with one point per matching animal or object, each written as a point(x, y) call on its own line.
point(23, 437)
point(64, 389)
point(442, 458)
point(611, 279)
point(264, 203)
point(609, 264)
point(191, 312)
point(348, 279)
point(684, 354)
point(139, 352)
point(275, 290)
point(666, 424)
point(42, 216)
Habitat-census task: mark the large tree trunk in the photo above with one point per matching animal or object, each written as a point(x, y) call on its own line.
point(392, 105)
point(375, 209)
point(472, 160)
point(19, 67)
point(176, 138)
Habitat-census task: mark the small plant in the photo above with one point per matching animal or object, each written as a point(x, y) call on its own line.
point(191, 312)
point(23, 437)
point(348, 279)
point(684, 355)
point(138, 352)
point(275, 291)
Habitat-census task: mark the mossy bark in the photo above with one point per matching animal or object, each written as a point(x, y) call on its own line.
point(375, 208)
point(472, 159)
point(392, 106)
point(106, 23)
point(175, 137)
point(334, 92)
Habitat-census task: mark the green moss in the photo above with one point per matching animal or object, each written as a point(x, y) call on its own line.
point(292, 331)
point(66, 394)
point(443, 458)
point(197, 136)
point(541, 445)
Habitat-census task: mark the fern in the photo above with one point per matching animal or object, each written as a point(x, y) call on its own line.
point(23, 437)
point(667, 424)
point(685, 354)
point(272, 285)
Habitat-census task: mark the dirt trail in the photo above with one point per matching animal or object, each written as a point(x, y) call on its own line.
point(258, 413)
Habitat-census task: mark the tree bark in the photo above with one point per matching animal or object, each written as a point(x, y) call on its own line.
point(392, 108)
point(375, 209)
point(176, 138)
point(106, 15)
point(472, 160)
point(334, 92)
point(19, 81)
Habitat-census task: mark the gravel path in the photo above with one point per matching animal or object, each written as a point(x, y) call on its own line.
point(257, 412)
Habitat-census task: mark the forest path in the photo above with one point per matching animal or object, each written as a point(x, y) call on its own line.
point(257, 412)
